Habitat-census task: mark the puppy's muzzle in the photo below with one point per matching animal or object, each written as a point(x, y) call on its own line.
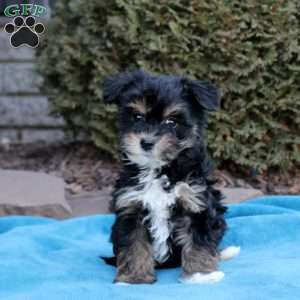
point(146, 145)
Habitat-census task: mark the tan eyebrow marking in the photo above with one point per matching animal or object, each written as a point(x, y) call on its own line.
point(173, 109)
point(139, 106)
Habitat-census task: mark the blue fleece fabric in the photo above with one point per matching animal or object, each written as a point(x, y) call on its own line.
point(43, 259)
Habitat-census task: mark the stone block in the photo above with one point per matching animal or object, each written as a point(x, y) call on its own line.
point(237, 195)
point(19, 78)
point(42, 135)
point(8, 136)
point(31, 193)
point(26, 111)
point(7, 52)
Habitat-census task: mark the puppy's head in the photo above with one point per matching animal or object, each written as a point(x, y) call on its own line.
point(159, 116)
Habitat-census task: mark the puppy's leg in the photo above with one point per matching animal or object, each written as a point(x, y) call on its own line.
point(135, 263)
point(190, 197)
point(199, 251)
point(200, 265)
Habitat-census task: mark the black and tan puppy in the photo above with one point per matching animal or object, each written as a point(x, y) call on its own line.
point(167, 211)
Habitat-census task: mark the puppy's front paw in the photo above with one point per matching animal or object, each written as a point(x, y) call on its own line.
point(190, 196)
point(202, 278)
point(124, 279)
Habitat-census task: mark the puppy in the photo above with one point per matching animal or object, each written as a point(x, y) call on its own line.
point(167, 211)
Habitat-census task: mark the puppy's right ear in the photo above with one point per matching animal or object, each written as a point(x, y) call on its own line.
point(114, 86)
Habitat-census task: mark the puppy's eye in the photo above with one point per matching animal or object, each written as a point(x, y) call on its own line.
point(139, 117)
point(171, 122)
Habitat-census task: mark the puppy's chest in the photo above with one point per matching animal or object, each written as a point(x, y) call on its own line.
point(155, 197)
point(159, 204)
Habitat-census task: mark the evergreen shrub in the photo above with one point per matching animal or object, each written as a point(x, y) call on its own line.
point(250, 49)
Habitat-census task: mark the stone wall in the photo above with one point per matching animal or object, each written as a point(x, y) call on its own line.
point(24, 111)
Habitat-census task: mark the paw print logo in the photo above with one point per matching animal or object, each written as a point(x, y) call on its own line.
point(24, 31)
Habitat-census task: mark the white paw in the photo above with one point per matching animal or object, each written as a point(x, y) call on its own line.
point(121, 283)
point(230, 252)
point(181, 188)
point(202, 278)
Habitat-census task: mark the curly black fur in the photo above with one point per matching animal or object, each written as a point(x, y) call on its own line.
point(182, 157)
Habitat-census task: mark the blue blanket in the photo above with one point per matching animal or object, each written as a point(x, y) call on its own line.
point(43, 259)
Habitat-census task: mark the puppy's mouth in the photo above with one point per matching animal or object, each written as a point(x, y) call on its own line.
point(149, 151)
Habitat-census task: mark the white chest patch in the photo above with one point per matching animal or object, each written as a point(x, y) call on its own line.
point(158, 202)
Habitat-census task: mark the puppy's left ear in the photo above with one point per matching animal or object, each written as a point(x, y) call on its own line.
point(206, 95)
point(114, 86)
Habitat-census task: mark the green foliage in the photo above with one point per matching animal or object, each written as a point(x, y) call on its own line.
point(251, 49)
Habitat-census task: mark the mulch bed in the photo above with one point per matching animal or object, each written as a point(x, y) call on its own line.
point(85, 169)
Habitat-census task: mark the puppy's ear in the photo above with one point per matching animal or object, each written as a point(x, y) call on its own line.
point(114, 86)
point(205, 94)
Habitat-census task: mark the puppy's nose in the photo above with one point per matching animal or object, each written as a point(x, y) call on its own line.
point(146, 145)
